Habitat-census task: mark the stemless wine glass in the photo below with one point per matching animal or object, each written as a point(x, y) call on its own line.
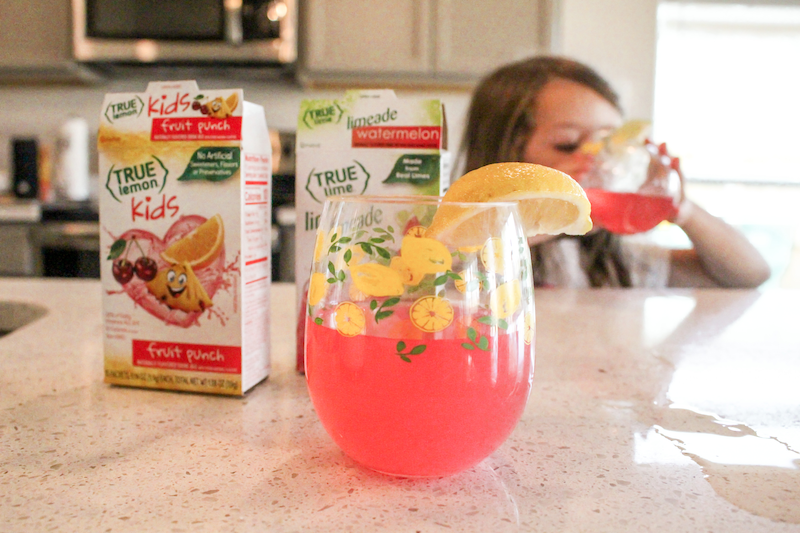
point(631, 186)
point(419, 330)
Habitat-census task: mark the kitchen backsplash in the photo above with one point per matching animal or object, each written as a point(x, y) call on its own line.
point(39, 110)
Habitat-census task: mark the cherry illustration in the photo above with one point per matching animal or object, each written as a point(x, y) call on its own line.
point(145, 268)
point(122, 270)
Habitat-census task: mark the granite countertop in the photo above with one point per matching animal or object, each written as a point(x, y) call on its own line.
point(651, 411)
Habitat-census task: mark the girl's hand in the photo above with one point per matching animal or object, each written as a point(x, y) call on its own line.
point(665, 176)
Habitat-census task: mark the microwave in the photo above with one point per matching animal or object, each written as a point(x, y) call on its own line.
point(247, 32)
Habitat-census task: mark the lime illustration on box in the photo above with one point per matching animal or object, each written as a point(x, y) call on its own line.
point(368, 142)
point(185, 212)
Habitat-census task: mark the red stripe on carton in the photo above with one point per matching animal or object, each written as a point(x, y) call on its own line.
point(182, 356)
point(397, 137)
point(196, 129)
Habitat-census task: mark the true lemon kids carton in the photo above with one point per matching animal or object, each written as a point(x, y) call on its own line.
point(185, 198)
point(368, 142)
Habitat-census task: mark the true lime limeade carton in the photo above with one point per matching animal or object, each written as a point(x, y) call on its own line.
point(368, 142)
point(185, 211)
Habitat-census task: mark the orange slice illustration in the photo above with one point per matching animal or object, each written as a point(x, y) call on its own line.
point(469, 249)
point(377, 280)
point(529, 328)
point(323, 242)
point(431, 313)
point(467, 283)
point(350, 320)
point(505, 299)
point(319, 243)
point(232, 102)
point(416, 231)
point(424, 255)
point(317, 288)
point(492, 255)
point(357, 255)
point(355, 294)
point(199, 247)
point(409, 276)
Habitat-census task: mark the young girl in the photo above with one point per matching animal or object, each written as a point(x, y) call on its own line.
point(541, 110)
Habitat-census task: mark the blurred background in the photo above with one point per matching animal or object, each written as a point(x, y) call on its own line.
point(716, 77)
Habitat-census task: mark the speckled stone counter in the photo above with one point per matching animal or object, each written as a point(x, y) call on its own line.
point(651, 411)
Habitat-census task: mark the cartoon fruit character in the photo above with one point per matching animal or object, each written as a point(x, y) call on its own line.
point(221, 108)
point(178, 287)
point(211, 277)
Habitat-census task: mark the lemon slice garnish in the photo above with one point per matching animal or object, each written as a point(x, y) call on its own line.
point(549, 201)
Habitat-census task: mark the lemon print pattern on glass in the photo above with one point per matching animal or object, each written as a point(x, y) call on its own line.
point(350, 319)
point(405, 268)
point(431, 313)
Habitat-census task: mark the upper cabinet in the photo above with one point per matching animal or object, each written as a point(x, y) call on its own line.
point(35, 44)
point(429, 41)
point(36, 33)
point(383, 36)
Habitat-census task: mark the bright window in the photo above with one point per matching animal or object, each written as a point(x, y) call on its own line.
point(728, 90)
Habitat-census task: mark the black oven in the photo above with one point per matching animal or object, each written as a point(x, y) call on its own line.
point(68, 240)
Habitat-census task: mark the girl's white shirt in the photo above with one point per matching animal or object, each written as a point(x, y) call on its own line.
point(648, 263)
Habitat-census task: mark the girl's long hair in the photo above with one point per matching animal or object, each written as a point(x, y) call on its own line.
point(501, 120)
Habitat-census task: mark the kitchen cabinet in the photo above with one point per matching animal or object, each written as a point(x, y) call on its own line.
point(19, 257)
point(35, 44)
point(437, 41)
point(18, 254)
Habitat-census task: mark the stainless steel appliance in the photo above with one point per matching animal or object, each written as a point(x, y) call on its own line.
point(25, 160)
point(247, 32)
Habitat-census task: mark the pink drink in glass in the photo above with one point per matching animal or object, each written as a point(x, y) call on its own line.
point(434, 413)
point(627, 212)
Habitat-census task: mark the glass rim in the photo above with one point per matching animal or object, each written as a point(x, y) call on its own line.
point(413, 199)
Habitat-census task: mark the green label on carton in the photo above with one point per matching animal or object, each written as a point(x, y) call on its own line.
point(212, 164)
point(416, 169)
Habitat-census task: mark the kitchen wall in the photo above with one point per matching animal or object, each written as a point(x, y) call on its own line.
point(616, 36)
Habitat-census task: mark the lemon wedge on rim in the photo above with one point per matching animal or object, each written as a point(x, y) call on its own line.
point(549, 201)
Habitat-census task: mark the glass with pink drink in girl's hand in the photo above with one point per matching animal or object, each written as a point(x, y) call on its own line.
point(632, 186)
point(420, 318)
